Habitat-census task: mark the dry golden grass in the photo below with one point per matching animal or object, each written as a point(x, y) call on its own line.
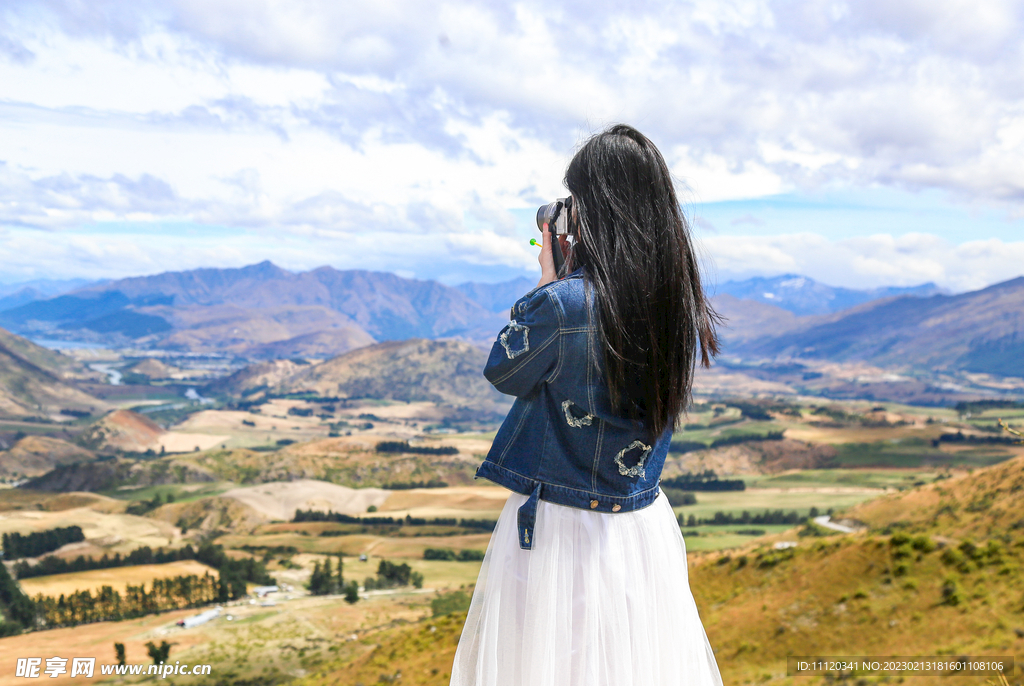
point(114, 533)
point(178, 442)
point(428, 502)
point(279, 500)
point(13, 499)
point(117, 577)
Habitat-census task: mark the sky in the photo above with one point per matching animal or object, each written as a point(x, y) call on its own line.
point(863, 144)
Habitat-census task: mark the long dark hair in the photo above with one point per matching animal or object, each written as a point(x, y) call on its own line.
point(633, 242)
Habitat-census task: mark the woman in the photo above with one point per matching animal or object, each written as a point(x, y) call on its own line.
point(584, 581)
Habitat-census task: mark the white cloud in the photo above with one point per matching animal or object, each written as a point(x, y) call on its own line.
point(307, 116)
point(869, 261)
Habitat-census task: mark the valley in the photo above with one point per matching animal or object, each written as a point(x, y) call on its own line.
point(184, 452)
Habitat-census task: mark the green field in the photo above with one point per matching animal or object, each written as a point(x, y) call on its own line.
point(756, 501)
point(916, 452)
point(843, 478)
point(737, 428)
point(723, 537)
point(183, 493)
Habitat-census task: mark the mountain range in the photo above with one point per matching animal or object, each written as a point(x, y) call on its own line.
point(265, 312)
point(803, 296)
point(980, 331)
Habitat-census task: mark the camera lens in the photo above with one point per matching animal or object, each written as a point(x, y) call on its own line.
point(546, 214)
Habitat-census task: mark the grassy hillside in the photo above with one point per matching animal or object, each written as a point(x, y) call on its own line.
point(36, 382)
point(923, 581)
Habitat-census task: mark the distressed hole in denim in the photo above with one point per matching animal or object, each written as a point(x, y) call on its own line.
point(515, 339)
point(572, 419)
point(638, 468)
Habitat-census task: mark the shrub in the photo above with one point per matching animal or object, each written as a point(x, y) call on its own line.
point(923, 543)
point(970, 550)
point(899, 538)
point(902, 552)
point(951, 592)
point(446, 604)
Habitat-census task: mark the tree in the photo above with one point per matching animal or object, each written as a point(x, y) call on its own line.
point(352, 592)
point(17, 607)
point(341, 579)
point(328, 578)
point(119, 652)
point(158, 654)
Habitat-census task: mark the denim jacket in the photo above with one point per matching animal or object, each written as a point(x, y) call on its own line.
point(561, 442)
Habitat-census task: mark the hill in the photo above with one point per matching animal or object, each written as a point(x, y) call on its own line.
point(122, 430)
point(444, 372)
point(980, 331)
point(262, 310)
point(37, 382)
point(36, 455)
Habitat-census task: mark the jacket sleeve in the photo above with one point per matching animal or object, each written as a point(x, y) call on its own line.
point(526, 352)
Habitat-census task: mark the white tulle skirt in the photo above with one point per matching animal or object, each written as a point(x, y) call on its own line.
point(601, 600)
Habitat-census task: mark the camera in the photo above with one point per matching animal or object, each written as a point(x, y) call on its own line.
point(556, 215)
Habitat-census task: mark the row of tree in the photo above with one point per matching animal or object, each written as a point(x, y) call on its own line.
point(330, 516)
point(449, 554)
point(766, 517)
point(404, 447)
point(175, 593)
point(140, 556)
point(703, 481)
point(961, 437)
point(16, 545)
point(693, 446)
point(409, 485)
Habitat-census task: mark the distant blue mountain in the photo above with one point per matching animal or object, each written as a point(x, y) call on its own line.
point(45, 288)
point(497, 297)
point(802, 295)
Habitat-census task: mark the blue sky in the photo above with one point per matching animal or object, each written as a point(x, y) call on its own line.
point(861, 143)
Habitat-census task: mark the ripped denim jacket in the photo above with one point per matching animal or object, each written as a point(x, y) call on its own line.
point(561, 442)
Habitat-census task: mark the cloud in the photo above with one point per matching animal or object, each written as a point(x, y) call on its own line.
point(868, 261)
point(441, 118)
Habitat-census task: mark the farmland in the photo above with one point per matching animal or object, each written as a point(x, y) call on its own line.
point(872, 463)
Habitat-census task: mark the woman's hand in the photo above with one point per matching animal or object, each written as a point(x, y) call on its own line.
point(547, 260)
